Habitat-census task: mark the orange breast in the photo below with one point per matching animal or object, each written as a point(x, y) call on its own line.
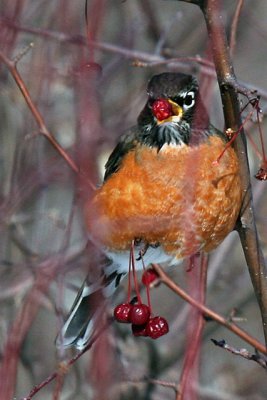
point(176, 197)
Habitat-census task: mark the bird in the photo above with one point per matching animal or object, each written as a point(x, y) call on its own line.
point(164, 191)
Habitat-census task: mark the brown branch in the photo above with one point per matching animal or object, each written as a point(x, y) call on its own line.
point(227, 83)
point(208, 312)
point(159, 382)
point(12, 67)
point(152, 59)
point(81, 40)
point(197, 59)
point(262, 361)
point(229, 88)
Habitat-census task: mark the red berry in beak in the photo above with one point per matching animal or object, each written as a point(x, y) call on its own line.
point(122, 312)
point(156, 327)
point(162, 109)
point(139, 314)
point(149, 276)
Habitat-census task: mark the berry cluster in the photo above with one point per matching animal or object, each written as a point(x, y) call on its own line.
point(162, 109)
point(143, 324)
point(139, 314)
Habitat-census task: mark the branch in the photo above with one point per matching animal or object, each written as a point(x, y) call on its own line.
point(262, 361)
point(195, 325)
point(65, 366)
point(138, 56)
point(12, 67)
point(227, 83)
point(207, 312)
point(159, 382)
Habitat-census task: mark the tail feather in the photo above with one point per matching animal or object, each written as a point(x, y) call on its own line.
point(87, 309)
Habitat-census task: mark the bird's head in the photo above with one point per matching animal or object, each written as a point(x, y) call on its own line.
point(169, 113)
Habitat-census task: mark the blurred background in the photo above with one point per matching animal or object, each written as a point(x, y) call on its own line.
point(88, 94)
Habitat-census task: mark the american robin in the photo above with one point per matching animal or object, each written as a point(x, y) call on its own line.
point(162, 189)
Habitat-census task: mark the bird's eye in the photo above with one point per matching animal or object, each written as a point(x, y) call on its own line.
point(189, 100)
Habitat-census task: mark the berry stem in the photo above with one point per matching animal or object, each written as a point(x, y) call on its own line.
point(254, 146)
point(147, 287)
point(134, 273)
point(261, 137)
point(235, 135)
point(129, 279)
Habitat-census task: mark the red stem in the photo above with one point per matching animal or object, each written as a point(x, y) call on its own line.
point(134, 274)
point(147, 288)
point(253, 145)
point(129, 279)
point(190, 372)
point(235, 135)
point(93, 25)
point(261, 138)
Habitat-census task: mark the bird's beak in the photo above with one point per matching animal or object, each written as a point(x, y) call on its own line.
point(177, 113)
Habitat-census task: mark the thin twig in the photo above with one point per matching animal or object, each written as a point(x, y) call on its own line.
point(242, 87)
point(234, 26)
point(197, 59)
point(262, 361)
point(208, 312)
point(12, 67)
point(160, 382)
point(64, 367)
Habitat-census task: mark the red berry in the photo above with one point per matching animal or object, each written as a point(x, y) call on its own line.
point(122, 312)
point(139, 330)
point(139, 314)
point(149, 276)
point(156, 327)
point(261, 174)
point(162, 109)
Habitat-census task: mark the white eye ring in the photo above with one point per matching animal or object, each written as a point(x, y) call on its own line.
point(189, 100)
